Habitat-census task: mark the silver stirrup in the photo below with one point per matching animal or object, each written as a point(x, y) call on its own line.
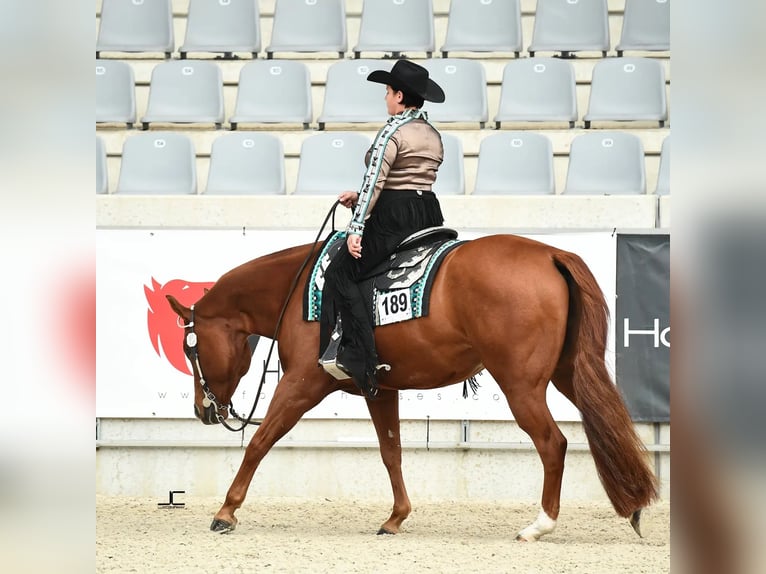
point(331, 366)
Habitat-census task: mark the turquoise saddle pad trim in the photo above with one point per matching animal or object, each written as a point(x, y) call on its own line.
point(416, 297)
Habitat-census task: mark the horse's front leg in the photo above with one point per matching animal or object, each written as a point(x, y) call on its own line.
point(384, 410)
point(293, 397)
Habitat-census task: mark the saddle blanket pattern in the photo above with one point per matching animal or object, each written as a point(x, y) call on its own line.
point(399, 289)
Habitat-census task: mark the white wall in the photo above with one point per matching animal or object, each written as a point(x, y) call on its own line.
point(340, 460)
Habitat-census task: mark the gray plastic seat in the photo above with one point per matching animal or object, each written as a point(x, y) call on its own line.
point(331, 162)
point(136, 26)
point(464, 81)
point(483, 26)
point(188, 91)
point(606, 163)
point(308, 26)
point(274, 91)
point(246, 163)
point(538, 90)
point(627, 89)
point(115, 92)
point(349, 97)
point(645, 26)
point(568, 26)
point(663, 177)
point(515, 162)
point(102, 173)
point(222, 26)
point(396, 26)
point(450, 179)
point(158, 163)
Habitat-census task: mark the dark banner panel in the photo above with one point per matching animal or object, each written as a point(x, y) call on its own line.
point(642, 341)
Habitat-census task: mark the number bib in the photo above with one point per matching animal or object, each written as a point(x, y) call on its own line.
point(393, 306)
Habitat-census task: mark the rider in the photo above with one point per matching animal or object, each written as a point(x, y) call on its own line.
point(394, 201)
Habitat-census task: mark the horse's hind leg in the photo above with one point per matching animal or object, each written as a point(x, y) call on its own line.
point(384, 411)
point(530, 410)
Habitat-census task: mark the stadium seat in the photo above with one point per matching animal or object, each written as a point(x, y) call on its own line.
point(115, 92)
point(515, 162)
point(538, 90)
point(450, 179)
point(136, 26)
point(483, 26)
point(189, 91)
point(222, 26)
point(158, 163)
point(663, 177)
point(606, 163)
point(627, 89)
point(349, 97)
point(308, 26)
point(331, 162)
point(396, 26)
point(102, 173)
point(246, 163)
point(645, 26)
point(568, 26)
point(276, 91)
point(464, 82)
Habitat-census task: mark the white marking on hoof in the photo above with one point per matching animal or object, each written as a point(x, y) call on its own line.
point(543, 524)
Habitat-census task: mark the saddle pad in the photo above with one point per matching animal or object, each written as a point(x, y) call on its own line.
point(399, 288)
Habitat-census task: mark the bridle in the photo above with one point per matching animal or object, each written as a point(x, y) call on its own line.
point(192, 350)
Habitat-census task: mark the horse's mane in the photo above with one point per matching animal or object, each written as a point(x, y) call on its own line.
point(244, 277)
point(251, 266)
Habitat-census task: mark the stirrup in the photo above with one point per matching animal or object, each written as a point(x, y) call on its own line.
point(336, 369)
point(329, 359)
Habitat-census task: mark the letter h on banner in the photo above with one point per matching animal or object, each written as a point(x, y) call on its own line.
point(662, 336)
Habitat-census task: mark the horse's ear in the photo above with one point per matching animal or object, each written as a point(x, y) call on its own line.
point(183, 312)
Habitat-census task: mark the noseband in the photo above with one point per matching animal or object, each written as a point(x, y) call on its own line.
point(192, 352)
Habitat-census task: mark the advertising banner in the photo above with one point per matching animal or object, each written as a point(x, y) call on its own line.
point(142, 371)
point(643, 325)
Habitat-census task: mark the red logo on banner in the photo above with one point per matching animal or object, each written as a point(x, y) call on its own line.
point(163, 321)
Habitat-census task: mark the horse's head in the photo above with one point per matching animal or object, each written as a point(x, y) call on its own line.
point(220, 355)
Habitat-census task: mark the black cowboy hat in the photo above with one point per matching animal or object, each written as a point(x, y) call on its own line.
point(409, 77)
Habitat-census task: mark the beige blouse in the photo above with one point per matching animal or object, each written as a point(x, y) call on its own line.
point(410, 161)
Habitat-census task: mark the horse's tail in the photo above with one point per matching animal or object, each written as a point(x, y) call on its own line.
point(619, 454)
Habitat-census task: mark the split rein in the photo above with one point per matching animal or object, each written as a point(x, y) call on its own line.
point(192, 351)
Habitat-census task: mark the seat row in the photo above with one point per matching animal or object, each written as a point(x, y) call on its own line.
point(396, 26)
point(512, 162)
point(279, 91)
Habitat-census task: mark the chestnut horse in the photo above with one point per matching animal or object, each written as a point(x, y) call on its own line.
point(523, 310)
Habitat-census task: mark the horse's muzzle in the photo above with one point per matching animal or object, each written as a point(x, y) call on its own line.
point(208, 415)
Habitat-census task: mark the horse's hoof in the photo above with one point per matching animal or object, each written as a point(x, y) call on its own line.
point(520, 538)
point(384, 531)
point(221, 526)
point(635, 522)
